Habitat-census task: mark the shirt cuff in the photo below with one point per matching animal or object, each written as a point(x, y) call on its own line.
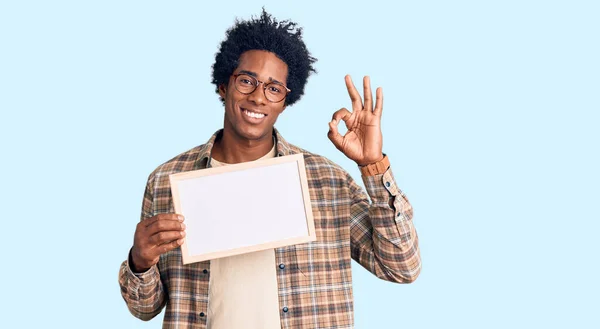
point(143, 278)
point(381, 187)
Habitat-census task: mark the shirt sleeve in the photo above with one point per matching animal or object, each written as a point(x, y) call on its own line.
point(383, 237)
point(143, 292)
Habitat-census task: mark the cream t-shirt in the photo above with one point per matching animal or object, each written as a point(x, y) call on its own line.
point(242, 289)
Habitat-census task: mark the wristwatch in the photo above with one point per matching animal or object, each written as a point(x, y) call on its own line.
point(377, 168)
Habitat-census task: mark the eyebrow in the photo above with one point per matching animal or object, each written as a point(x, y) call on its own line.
point(253, 74)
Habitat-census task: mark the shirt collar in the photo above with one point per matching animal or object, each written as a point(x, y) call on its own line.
point(282, 148)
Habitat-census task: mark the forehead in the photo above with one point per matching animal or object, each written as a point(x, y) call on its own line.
point(264, 64)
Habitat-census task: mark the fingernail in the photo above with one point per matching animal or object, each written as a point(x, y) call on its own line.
point(183, 226)
point(180, 218)
point(182, 233)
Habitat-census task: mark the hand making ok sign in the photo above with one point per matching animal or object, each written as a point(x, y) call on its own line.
point(363, 142)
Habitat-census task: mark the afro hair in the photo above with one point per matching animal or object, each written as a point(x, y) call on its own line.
point(284, 39)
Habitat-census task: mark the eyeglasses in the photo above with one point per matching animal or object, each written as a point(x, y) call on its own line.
point(246, 84)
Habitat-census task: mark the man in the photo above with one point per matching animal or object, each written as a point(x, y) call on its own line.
point(261, 68)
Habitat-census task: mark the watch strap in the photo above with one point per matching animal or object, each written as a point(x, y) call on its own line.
point(377, 168)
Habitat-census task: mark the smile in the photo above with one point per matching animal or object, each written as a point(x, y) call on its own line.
point(254, 115)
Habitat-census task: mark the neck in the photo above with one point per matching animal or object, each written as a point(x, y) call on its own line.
point(231, 148)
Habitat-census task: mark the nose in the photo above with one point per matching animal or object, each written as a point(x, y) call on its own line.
point(258, 95)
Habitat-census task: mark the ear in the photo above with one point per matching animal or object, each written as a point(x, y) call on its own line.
point(222, 91)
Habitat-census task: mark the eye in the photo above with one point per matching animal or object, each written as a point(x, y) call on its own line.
point(246, 81)
point(274, 89)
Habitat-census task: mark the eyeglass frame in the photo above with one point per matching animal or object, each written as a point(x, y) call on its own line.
point(235, 76)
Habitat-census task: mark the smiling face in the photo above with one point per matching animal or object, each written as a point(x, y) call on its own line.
point(251, 117)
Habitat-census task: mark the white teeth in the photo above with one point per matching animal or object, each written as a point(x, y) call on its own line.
point(254, 115)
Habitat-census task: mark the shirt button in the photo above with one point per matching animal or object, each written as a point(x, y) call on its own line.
point(201, 314)
point(285, 309)
point(387, 184)
point(282, 266)
point(205, 271)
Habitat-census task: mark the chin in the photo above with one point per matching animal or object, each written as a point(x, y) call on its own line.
point(253, 133)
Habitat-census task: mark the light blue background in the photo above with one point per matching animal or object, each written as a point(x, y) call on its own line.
point(490, 122)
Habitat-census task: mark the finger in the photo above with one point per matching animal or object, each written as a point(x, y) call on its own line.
point(169, 246)
point(165, 237)
point(164, 225)
point(334, 135)
point(378, 102)
point(341, 114)
point(344, 115)
point(367, 93)
point(170, 216)
point(357, 104)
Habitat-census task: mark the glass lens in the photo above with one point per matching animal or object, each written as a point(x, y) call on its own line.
point(275, 92)
point(245, 83)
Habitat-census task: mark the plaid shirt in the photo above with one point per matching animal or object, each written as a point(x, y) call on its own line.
point(314, 279)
